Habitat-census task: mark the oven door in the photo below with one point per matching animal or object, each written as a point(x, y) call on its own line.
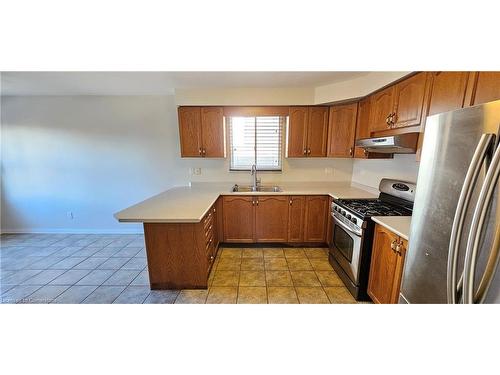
point(346, 249)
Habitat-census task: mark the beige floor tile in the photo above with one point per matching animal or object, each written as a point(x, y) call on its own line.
point(252, 294)
point(252, 264)
point(278, 278)
point(304, 278)
point(320, 264)
point(226, 278)
point(230, 252)
point(316, 252)
point(276, 264)
point(299, 264)
point(339, 294)
point(222, 294)
point(329, 278)
point(252, 253)
point(294, 253)
point(281, 294)
point(311, 294)
point(229, 264)
point(252, 278)
point(271, 252)
point(192, 296)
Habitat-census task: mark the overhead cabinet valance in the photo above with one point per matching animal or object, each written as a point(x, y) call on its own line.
point(256, 111)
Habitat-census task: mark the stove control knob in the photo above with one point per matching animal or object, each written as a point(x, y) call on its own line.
point(336, 208)
point(348, 216)
point(343, 212)
point(354, 220)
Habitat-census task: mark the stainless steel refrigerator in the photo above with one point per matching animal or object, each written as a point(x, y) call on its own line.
point(454, 244)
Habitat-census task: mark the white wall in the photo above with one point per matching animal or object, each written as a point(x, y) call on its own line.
point(370, 172)
point(95, 155)
point(92, 155)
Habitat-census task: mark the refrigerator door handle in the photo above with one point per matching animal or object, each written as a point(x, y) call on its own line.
point(480, 153)
point(491, 267)
point(478, 219)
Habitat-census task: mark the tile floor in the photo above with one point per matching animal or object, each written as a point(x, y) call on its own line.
point(62, 268)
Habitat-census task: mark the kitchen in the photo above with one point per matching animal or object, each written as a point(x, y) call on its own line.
point(224, 187)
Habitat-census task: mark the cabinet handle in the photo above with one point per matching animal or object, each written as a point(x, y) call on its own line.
point(253, 203)
point(291, 202)
point(200, 151)
point(305, 151)
point(387, 121)
point(365, 152)
point(393, 245)
point(257, 202)
point(350, 151)
point(309, 152)
point(393, 119)
point(204, 152)
point(211, 257)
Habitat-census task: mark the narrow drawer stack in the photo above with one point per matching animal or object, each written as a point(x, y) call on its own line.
point(210, 236)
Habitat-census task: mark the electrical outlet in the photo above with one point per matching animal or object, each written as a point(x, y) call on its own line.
point(197, 171)
point(69, 215)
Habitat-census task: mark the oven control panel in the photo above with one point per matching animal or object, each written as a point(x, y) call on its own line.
point(353, 222)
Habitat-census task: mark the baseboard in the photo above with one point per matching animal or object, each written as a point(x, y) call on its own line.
point(73, 231)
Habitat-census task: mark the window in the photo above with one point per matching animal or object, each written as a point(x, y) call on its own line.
point(256, 140)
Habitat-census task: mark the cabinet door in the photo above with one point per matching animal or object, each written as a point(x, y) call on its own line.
point(316, 216)
point(190, 131)
point(400, 262)
point(342, 130)
point(485, 88)
point(409, 101)
point(212, 130)
point(381, 106)
point(239, 218)
point(362, 126)
point(297, 132)
point(296, 218)
point(447, 91)
point(271, 218)
point(317, 131)
point(383, 266)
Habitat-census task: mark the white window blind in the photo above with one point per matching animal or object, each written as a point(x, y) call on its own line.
point(256, 140)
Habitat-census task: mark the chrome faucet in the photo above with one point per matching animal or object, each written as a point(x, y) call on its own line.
point(255, 180)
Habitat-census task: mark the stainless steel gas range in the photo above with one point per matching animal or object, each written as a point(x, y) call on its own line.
point(350, 252)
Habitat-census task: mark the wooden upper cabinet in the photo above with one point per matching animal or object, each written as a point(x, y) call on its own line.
point(409, 100)
point(239, 218)
point(386, 266)
point(296, 211)
point(447, 91)
point(362, 126)
point(317, 131)
point(297, 131)
point(201, 131)
point(212, 128)
point(316, 217)
point(307, 131)
point(483, 87)
point(271, 218)
point(381, 107)
point(190, 131)
point(342, 130)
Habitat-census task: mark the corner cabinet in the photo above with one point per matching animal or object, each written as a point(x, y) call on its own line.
point(342, 130)
point(307, 132)
point(201, 132)
point(386, 269)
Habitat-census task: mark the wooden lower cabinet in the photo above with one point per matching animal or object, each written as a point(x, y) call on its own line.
point(239, 218)
point(271, 218)
point(316, 217)
point(181, 255)
point(386, 269)
point(296, 212)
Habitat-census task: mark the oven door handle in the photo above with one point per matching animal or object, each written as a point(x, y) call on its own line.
point(342, 225)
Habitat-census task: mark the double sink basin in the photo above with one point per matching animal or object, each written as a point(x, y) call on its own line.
point(258, 188)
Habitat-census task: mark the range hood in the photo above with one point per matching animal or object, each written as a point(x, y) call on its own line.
point(391, 144)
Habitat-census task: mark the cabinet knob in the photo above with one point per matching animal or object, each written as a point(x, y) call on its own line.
point(211, 257)
point(309, 152)
point(365, 152)
point(257, 202)
point(291, 202)
point(204, 152)
point(305, 151)
point(350, 151)
point(200, 151)
point(393, 245)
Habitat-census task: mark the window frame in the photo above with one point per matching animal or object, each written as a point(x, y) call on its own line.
point(283, 126)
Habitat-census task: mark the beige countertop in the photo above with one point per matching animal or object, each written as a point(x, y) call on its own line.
point(400, 225)
point(188, 204)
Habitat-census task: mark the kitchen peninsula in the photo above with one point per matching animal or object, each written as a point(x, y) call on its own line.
point(183, 226)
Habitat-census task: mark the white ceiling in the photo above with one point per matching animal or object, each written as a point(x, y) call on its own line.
point(157, 83)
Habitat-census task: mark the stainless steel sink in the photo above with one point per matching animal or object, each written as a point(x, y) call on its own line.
point(250, 188)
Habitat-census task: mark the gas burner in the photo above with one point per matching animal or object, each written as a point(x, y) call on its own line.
point(373, 207)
